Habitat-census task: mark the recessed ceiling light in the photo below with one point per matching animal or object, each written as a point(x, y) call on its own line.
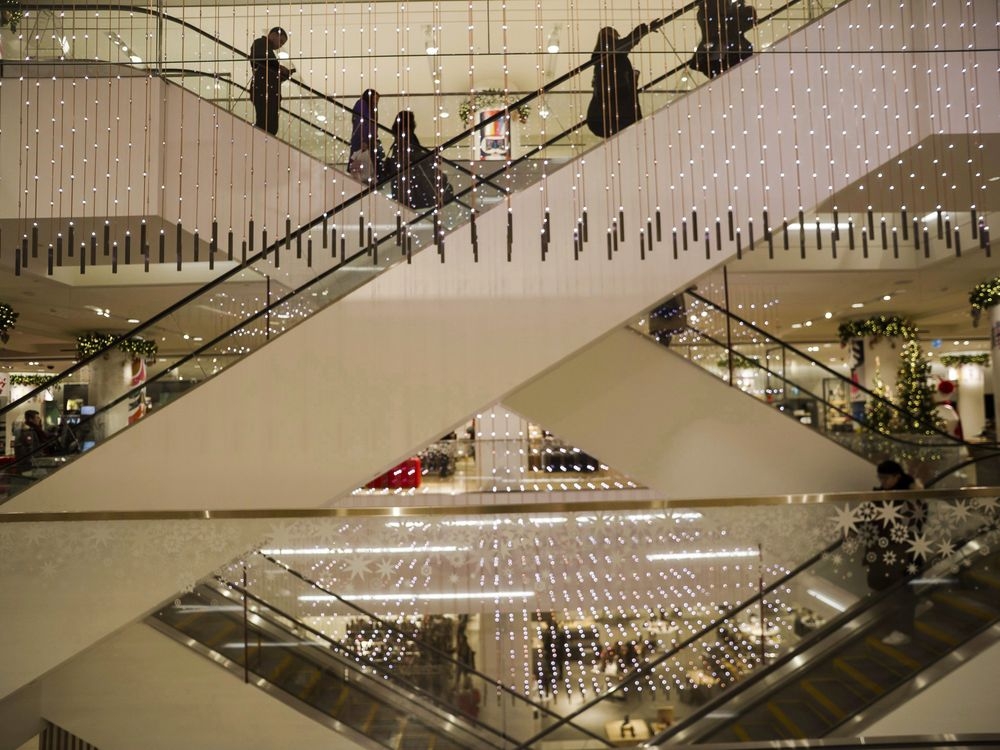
point(858, 305)
point(886, 297)
point(134, 320)
point(828, 315)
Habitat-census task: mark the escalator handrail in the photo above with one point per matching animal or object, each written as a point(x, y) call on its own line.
point(995, 447)
point(865, 604)
point(815, 362)
point(334, 647)
point(438, 652)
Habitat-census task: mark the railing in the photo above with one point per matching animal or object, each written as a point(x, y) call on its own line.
point(255, 638)
point(431, 657)
point(749, 358)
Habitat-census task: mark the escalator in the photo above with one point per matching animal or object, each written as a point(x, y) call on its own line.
point(398, 318)
point(843, 670)
point(776, 373)
point(380, 681)
point(832, 685)
point(331, 680)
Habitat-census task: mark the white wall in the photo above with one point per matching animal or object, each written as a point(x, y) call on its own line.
point(64, 586)
point(964, 703)
point(668, 424)
point(139, 688)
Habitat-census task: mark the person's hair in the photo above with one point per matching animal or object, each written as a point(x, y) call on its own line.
point(369, 96)
point(279, 31)
point(607, 39)
point(30, 413)
point(406, 122)
point(889, 468)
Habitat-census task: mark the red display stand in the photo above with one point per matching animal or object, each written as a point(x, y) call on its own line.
point(405, 476)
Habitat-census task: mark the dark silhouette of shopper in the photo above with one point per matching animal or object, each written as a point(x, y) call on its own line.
point(416, 180)
point(33, 440)
point(366, 152)
point(268, 75)
point(723, 24)
point(615, 102)
point(889, 560)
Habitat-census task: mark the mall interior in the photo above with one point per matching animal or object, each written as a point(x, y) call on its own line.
point(590, 453)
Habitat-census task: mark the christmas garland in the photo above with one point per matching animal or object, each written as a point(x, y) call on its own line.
point(882, 326)
point(90, 343)
point(7, 320)
point(486, 99)
point(33, 380)
point(957, 360)
point(739, 362)
point(983, 297)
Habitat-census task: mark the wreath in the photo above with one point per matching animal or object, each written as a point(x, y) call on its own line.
point(486, 99)
point(882, 326)
point(957, 360)
point(11, 14)
point(983, 297)
point(90, 343)
point(7, 320)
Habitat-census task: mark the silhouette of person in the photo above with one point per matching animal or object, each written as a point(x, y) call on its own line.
point(615, 101)
point(723, 24)
point(366, 152)
point(268, 74)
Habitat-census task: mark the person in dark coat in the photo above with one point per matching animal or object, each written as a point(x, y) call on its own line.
point(268, 75)
point(889, 560)
point(615, 102)
point(34, 440)
point(723, 25)
point(410, 165)
point(365, 161)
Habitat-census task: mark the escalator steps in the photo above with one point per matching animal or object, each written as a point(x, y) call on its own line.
point(799, 719)
point(833, 697)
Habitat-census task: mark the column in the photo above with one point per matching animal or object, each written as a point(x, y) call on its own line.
point(971, 406)
point(995, 361)
point(501, 449)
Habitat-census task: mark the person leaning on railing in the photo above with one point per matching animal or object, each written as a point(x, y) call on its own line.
point(614, 103)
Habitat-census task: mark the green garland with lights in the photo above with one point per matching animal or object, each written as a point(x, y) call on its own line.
point(90, 343)
point(7, 320)
point(34, 380)
point(957, 360)
point(983, 297)
point(879, 327)
point(11, 14)
point(739, 362)
point(916, 395)
point(486, 99)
